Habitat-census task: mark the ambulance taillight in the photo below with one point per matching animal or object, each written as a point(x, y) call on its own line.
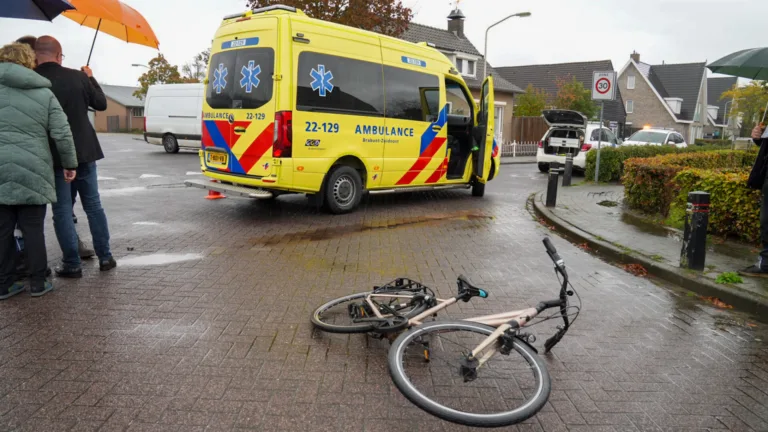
point(283, 136)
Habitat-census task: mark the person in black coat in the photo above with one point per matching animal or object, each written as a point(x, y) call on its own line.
point(758, 179)
point(76, 91)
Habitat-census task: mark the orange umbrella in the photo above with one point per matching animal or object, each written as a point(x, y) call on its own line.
point(113, 18)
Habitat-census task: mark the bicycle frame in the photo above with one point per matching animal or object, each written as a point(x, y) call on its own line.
point(500, 321)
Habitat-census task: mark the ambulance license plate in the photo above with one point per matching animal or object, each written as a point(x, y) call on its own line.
point(216, 158)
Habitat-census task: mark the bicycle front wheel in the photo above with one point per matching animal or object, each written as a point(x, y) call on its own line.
point(339, 315)
point(427, 364)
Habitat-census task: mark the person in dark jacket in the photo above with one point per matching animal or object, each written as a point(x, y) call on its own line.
point(31, 115)
point(758, 179)
point(76, 91)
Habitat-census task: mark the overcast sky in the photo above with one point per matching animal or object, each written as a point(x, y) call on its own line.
point(672, 31)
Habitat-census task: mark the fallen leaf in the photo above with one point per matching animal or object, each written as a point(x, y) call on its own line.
point(635, 269)
point(584, 247)
point(717, 302)
point(544, 222)
point(751, 325)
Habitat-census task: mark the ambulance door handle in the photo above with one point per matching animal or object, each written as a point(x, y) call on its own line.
point(239, 130)
point(436, 128)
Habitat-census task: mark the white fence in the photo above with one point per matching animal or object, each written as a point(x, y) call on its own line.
point(514, 149)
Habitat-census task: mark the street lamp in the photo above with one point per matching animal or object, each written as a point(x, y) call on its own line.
point(485, 49)
point(140, 65)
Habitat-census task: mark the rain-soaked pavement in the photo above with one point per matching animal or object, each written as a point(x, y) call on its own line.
point(205, 323)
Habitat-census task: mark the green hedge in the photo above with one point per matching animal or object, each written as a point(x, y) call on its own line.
point(734, 209)
point(612, 158)
point(649, 183)
point(714, 142)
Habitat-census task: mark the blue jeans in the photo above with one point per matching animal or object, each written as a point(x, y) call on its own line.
point(87, 187)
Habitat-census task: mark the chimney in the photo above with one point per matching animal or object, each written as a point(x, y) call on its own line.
point(635, 56)
point(456, 23)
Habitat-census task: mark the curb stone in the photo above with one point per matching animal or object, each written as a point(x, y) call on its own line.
point(745, 301)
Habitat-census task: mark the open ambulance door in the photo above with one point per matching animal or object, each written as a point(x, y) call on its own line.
point(484, 132)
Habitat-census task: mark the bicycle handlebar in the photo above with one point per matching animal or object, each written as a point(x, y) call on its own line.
point(552, 252)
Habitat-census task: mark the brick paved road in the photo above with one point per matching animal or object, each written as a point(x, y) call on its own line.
point(223, 342)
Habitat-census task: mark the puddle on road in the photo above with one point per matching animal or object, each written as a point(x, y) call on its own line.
point(100, 178)
point(331, 233)
point(121, 191)
point(145, 176)
point(158, 259)
point(146, 223)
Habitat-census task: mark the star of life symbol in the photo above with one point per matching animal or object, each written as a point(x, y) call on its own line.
point(220, 78)
point(250, 75)
point(322, 80)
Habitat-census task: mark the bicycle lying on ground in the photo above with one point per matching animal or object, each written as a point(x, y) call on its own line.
point(480, 371)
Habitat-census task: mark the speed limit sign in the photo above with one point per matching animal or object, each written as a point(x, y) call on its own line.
point(604, 85)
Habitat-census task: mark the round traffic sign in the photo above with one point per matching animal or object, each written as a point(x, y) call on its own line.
point(603, 85)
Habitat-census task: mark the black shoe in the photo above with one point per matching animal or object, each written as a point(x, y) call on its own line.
point(48, 272)
point(69, 273)
point(84, 252)
point(754, 271)
point(107, 265)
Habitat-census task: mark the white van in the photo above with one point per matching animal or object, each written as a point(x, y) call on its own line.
point(173, 116)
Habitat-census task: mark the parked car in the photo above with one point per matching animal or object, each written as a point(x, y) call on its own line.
point(656, 137)
point(569, 133)
point(172, 116)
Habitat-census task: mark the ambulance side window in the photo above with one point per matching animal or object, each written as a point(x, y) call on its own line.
point(241, 78)
point(328, 83)
point(410, 95)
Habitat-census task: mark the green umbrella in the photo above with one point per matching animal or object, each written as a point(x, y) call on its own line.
point(749, 63)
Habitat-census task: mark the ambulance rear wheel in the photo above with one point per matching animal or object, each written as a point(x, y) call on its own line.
point(478, 189)
point(344, 190)
point(170, 144)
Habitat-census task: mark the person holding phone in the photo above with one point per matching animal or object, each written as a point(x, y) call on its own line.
point(758, 179)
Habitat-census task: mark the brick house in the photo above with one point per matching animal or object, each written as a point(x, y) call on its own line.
point(670, 96)
point(718, 122)
point(124, 110)
point(545, 77)
point(469, 62)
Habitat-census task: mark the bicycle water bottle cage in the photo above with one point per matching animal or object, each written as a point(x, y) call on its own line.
point(467, 290)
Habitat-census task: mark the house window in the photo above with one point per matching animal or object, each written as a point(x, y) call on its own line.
point(631, 82)
point(630, 106)
point(466, 67)
point(137, 112)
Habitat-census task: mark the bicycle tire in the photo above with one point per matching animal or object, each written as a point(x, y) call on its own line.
point(531, 406)
point(353, 328)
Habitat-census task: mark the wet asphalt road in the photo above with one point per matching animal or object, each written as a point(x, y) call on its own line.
point(205, 323)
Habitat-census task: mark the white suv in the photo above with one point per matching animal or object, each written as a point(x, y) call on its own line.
point(656, 137)
point(569, 133)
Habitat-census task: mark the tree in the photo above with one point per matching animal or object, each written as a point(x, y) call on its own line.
point(389, 17)
point(572, 95)
point(749, 101)
point(531, 103)
point(195, 70)
point(160, 72)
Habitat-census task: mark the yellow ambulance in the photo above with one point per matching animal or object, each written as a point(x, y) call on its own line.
point(299, 105)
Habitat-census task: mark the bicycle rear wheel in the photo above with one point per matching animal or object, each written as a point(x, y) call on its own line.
point(338, 315)
point(506, 390)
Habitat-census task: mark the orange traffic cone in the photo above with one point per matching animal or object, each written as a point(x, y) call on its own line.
point(214, 195)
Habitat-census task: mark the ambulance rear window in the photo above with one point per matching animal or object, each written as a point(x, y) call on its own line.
point(241, 78)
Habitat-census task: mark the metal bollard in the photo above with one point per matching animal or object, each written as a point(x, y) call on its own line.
point(694, 250)
point(568, 170)
point(554, 173)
